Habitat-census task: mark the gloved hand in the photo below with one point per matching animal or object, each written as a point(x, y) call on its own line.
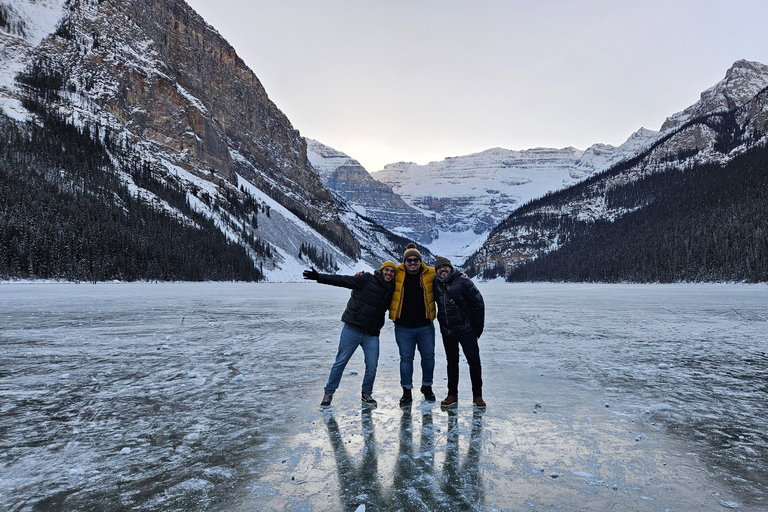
point(311, 274)
point(478, 331)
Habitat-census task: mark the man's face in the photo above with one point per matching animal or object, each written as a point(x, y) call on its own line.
point(443, 271)
point(412, 264)
point(389, 273)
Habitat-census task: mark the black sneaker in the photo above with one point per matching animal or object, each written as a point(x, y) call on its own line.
point(326, 400)
point(368, 399)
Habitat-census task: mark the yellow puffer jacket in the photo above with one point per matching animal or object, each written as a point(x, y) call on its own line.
point(427, 281)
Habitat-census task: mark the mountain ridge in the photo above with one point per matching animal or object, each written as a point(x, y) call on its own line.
point(715, 137)
point(182, 116)
point(169, 86)
point(464, 197)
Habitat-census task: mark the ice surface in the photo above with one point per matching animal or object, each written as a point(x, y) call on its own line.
point(205, 397)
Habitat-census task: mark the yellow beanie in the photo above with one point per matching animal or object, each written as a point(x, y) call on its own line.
point(388, 263)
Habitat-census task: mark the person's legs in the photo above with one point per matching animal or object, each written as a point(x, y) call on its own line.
point(425, 340)
point(348, 342)
point(472, 353)
point(370, 346)
point(406, 345)
point(451, 345)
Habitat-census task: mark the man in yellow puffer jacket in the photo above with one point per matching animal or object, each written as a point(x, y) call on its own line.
point(413, 310)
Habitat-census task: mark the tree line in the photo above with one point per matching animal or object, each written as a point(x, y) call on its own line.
point(66, 214)
point(699, 223)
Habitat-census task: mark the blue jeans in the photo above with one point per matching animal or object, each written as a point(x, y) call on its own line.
point(351, 338)
point(408, 339)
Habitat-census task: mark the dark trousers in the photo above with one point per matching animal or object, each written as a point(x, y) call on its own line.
point(471, 351)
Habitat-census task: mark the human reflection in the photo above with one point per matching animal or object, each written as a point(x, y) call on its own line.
point(414, 478)
point(461, 482)
point(358, 485)
point(416, 485)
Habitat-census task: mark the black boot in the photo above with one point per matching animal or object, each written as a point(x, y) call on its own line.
point(407, 398)
point(429, 396)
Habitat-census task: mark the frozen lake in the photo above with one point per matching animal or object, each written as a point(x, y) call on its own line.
point(187, 397)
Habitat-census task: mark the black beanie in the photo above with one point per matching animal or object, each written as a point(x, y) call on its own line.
point(442, 261)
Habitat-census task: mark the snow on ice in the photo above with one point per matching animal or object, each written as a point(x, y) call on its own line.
point(205, 397)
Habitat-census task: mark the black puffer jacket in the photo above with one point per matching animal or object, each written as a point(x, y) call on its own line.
point(370, 299)
point(467, 311)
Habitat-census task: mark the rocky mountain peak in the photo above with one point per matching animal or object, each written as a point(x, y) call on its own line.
point(367, 196)
point(742, 82)
point(160, 80)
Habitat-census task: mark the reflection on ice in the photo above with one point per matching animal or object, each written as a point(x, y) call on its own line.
point(416, 483)
point(184, 397)
point(357, 483)
point(461, 479)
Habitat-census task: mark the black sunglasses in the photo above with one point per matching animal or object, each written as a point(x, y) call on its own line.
point(411, 260)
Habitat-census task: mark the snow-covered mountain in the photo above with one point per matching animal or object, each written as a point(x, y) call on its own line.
point(155, 77)
point(469, 195)
point(451, 206)
point(743, 81)
point(368, 197)
point(729, 120)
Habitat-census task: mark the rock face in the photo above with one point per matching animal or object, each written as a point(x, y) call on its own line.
point(367, 196)
point(202, 97)
point(156, 75)
point(742, 82)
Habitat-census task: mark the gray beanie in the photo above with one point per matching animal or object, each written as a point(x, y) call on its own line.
point(442, 261)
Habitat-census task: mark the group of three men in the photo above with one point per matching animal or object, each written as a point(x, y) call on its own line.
point(414, 294)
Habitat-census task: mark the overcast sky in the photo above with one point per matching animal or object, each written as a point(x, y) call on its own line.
point(421, 80)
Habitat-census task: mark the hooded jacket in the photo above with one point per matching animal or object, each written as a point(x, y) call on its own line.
point(371, 296)
point(461, 307)
point(426, 278)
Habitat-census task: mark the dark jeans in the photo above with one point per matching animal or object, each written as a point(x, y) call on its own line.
point(471, 350)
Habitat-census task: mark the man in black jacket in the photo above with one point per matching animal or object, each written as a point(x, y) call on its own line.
point(461, 314)
point(363, 319)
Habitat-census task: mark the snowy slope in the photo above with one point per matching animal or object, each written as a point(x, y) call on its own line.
point(729, 119)
point(125, 69)
point(33, 20)
point(27, 24)
point(469, 195)
point(368, 197)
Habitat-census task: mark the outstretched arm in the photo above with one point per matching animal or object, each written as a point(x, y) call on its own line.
point(352, 282)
